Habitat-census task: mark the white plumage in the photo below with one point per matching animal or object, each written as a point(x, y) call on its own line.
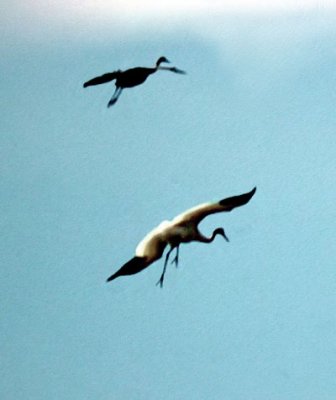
point(182, 229)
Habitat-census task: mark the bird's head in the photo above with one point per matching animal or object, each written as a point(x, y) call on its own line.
point(220, 231)
point(161, 60)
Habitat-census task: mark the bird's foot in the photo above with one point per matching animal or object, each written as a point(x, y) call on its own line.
point(160, 281)
point(177, 71)
point(175, 260)
point(112, 102)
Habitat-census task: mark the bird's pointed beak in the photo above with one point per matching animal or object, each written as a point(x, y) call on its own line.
point(225, 237)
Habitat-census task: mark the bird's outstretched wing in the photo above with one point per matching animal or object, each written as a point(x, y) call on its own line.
point(153, 244)
point(148, 250)
point(102, 79)
point(133, 266)
point(230, 203)
point(196, 214)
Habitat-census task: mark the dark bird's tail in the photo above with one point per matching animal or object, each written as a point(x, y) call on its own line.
point(133, 266)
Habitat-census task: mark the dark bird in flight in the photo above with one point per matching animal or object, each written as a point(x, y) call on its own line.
point(130, 78)
point(182, 229)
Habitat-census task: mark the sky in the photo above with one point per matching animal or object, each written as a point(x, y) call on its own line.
point(82, 184)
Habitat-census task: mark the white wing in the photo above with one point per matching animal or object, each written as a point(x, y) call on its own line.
point(153, 244)
point(196, 214)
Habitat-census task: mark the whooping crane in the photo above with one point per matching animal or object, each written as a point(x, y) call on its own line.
point(182, 229)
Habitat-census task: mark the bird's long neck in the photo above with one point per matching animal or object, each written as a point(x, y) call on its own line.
point(205, 239)
point(159, 61)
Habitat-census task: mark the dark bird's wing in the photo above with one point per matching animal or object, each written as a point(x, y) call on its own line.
point(102, 79)
point(196, 214)
point(133, 266)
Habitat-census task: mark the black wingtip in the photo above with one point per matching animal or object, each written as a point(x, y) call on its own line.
point(109, 279)
point(236, 201)
point(133, 266)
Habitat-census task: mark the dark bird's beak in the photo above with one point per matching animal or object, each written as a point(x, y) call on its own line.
point(225, 237)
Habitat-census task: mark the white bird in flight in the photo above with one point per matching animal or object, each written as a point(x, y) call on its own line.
point(182, 229)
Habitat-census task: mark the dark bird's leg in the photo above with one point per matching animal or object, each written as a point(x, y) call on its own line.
point(176, 258)
point(115, 96)
point(173, 69)
point(177, 71)
point(160, 281)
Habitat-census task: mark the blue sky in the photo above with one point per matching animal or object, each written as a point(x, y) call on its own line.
point(82, 184)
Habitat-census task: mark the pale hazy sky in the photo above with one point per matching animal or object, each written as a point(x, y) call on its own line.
point(127, 16)
point(82, 184)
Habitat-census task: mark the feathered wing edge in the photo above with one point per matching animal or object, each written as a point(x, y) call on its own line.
point(236, 201)
point(196, 214)
point(101, 79)
point(133, 266)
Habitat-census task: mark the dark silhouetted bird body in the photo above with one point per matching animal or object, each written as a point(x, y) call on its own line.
point(129, 78)
point(134, 77)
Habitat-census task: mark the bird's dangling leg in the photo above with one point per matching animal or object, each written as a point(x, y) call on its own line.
point(115, 96)
point(176, 258)
point(160, 281)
